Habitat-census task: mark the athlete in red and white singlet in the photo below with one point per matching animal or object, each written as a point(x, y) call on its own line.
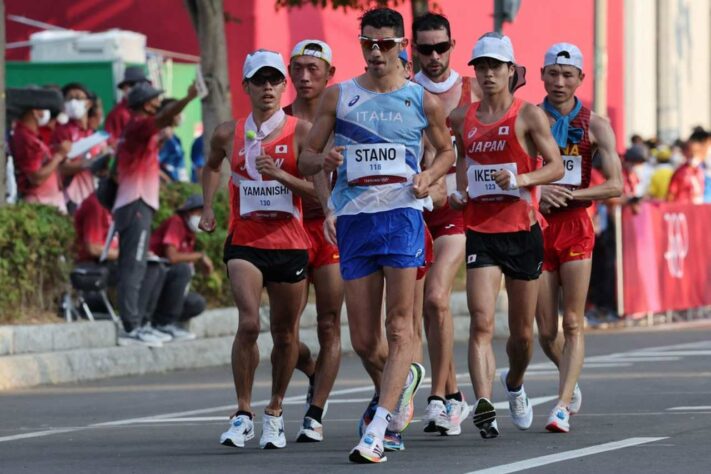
point(310, 69)
point(569, 237)
point(499, 140)
point(446, 408)
point(267, 245)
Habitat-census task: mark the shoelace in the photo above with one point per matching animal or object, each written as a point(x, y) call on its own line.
point(518, 405)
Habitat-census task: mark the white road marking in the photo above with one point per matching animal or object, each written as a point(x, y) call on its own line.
point(564, 456)
point(534, 401)
point(699, 408)
point(37, 434)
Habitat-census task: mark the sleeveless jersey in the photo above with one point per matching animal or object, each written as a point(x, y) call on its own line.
point(381, 131)
point(578, 156)
point(490, 147)
point(266, 228)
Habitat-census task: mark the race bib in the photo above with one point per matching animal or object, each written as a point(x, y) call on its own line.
point(376, 163)
point(265, 200)
point(481, 182)
point(450, 181)
point(573, 171)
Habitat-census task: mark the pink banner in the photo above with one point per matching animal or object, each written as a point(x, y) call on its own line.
point(666, 254)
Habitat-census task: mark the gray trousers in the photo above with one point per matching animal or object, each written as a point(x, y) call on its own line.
point(133, 223)
point(176, 303)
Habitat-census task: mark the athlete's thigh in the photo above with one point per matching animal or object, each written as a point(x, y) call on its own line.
point(449, 256)
point(364, 302)
point(547, 302)
point(523, 295)
point(246, 282)
point(328, 286)
point(483, 285)
point(575, 281)
point(400, 290)
point(285, 301)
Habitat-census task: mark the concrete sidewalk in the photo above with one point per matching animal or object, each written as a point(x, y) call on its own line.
point(65, 353)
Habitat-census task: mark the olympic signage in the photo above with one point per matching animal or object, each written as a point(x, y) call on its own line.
point(666, 257)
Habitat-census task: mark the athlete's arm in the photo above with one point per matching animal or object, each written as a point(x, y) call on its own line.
point(438, 135)
point(459, 199)
point(604, 138)
point(266, 166)
point(219, 149)
point(536, 126)
point(312, 159)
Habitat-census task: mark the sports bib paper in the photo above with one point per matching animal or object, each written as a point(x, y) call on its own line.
point(265, 199)
point(376, 163)
point(573, 171)
point(481, 181)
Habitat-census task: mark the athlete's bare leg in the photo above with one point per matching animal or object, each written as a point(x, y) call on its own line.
point(305, 363)
point(417, 311)
point(329, 300)
point(285, 303)
point(364, 301)
point(522, 310)
point(449, 255)
point(483, 285)
point(246, 282)
point(547, 316)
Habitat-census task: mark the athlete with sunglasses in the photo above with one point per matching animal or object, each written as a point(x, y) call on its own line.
point(446, 407)
point(375, 213)
point(266, 244)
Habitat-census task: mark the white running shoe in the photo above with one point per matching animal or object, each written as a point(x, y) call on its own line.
point(176, 332)
point(369, 450)
point(457, 412)
point(311, 431)
point(241, 430)
point(576, 400)
point(519, 405)
point(559, 420)
point(160, 335)
point(139, 337)
point(272, 432)
point(436, 419)
point(405, 408)
point(485, 419)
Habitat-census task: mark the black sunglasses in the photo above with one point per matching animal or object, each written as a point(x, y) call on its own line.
point(385, 44)
point(260, 79)
point(427, 49)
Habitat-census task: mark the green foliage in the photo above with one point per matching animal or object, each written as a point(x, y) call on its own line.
point(214, 287)
point(36, 251)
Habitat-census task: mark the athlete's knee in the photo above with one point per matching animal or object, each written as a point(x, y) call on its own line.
point(248, 332)
point(521, 339)
point(437, 303)
point(366, 347)
point(572, 324)
point(399, 329)
point(284, 337)
point(481, 326)
point(547, 336)
point(328, 328)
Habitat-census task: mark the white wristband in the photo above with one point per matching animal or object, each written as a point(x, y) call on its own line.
point(513, 185)
point(458, 195)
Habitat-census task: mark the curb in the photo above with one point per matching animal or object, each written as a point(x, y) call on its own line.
point(66, 353)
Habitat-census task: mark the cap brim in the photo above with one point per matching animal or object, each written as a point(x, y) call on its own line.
point(254, 71)
point(492, 56)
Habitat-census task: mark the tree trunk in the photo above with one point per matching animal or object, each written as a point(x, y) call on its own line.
point(3, 111)
point(208, 19)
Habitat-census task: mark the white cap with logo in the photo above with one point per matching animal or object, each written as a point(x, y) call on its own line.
point(262, 58)
point(564, 53)
point(306, 48)
point(493, 45)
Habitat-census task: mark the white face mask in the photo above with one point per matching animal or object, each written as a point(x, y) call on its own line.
point(44, 118)
point(193, 222)
point(75, 108)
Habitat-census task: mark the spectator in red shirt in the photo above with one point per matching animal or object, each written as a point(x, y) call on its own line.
point(174, 240)
point(687, 182)
point(36, 167)
point(137, 200)
point(119, 116)
point(78, 178)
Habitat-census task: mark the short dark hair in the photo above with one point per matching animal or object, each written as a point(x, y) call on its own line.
point(383, 18)
point(429, 22)
point(698, 135)
point(73, 86)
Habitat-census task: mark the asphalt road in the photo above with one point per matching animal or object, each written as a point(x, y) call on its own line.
point(646, 408)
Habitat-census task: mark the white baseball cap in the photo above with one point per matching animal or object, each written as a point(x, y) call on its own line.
point(493, 45)
point(303, 48)
point(262, 58)
point(564, 53)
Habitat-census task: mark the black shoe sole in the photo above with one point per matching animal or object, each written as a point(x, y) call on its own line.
point(272, 446)
point(305, 439)
point(484, 416)
point(358, 459)
point(433, 428)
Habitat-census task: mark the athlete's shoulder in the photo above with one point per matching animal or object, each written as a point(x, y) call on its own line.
point(531, 112)
point(600, 128)
point(458, 115)
point(225, 131)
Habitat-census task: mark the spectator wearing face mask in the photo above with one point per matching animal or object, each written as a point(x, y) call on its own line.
point(174, 240)
point(77, 176)
point(36, 165)
point(137, 200)
point(172, 154)
point(119, 116)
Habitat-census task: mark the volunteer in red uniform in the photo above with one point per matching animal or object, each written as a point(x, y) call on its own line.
point(267, 245)
point(92, 222)
point(687, 182)
point(119, 116)
point(499, 140)
point(36, 166)
point(310, 69)
point(446, 408)
point(569, 238)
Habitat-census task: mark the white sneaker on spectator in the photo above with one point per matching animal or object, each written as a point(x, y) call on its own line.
point(162, 336)
point(177, 333)
point(139, 337)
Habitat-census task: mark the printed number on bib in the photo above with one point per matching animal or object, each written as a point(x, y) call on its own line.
point(265, 200)
point(573, 171)
point(480, 179)
point(376, 163)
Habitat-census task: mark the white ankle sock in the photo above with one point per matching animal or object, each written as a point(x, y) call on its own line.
point(379, 423)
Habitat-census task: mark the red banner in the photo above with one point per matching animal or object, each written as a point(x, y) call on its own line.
point(666, 254)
